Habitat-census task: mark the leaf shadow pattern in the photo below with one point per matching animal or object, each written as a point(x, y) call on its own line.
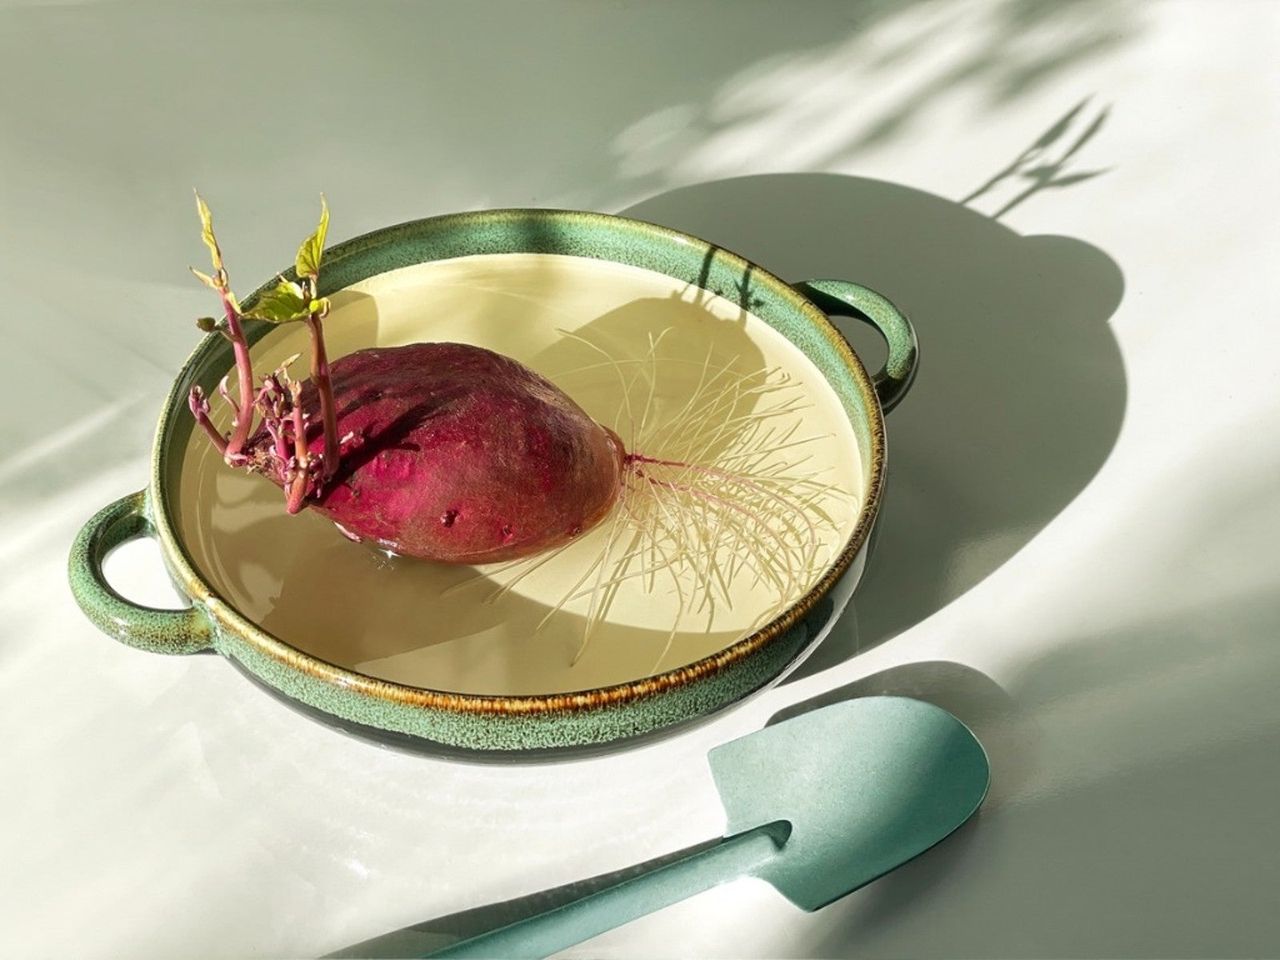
point(1022, 389)
point(1044, 174)
point(868, 88)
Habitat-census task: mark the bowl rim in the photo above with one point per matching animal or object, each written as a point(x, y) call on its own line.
point(228, 618)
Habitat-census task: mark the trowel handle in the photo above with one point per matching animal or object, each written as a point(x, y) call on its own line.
point(543, 934)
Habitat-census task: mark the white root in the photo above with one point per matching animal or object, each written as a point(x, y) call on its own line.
point(713, 494)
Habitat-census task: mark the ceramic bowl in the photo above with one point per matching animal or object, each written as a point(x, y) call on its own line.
point(526, 724)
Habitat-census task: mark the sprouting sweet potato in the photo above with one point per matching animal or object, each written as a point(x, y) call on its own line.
point(443, 451)
point(453, 453)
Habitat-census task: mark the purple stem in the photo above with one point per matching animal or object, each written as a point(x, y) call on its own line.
point(297, 491)
point(200, 410)
point(324, 387)
point(244, 370)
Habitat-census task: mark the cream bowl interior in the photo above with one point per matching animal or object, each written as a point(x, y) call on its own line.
point(641, 352)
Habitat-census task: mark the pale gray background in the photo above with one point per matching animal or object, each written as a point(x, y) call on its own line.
point(1078, 553)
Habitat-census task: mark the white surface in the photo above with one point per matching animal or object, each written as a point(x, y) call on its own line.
point(1077, 555)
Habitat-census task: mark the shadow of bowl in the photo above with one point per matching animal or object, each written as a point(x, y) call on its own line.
point(1022, 391)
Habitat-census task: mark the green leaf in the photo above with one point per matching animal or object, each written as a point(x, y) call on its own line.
point(206, 232)
point(319, 307)
point(281, 304)
point(307, 263)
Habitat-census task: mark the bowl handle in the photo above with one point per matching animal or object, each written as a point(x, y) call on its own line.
point(893, 380)
point(147, 628)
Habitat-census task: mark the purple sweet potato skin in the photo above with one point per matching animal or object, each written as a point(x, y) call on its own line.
point(461, 455)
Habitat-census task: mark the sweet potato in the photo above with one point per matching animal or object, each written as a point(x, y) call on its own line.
point(455, 453)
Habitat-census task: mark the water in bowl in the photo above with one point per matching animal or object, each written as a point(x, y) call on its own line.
point(691, 562)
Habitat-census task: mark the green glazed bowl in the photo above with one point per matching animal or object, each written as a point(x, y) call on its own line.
point(506, 725)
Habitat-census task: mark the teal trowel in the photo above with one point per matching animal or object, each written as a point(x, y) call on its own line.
point(818, 805)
